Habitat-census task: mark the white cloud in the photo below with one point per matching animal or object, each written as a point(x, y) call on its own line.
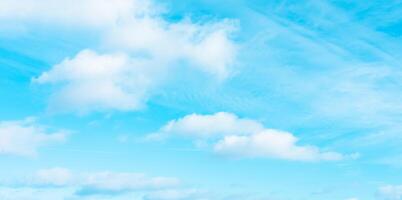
point(390, 192)
point(206, 126)
point(272, 144)
point(148, 47)
point(90, 81)
point(244, 138)
point(25, 137)
point(207, 46)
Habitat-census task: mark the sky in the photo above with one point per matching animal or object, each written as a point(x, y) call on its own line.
point(200, 100)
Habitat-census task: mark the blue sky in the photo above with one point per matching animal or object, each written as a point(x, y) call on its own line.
point(200, 100)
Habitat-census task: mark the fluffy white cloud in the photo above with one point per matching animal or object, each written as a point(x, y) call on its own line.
point(207, 46)
point(25, 137)
point(207, 126)
point(272, 144)
point(90, 81)
point(390, 192)
point(148, 45)
point(238, 137)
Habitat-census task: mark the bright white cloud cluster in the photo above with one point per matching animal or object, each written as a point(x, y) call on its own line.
point(139, 47)
point(25, 137)
point(390, 192)
point(206, 46)
point(243, 138)
point(272, 143)
point(95, 82)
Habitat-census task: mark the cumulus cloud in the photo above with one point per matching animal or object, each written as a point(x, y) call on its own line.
point(207, 126)
point(390, 192)
point(139, 44)
point(207, 46)
point(24, 137)
point(234, 136)
point(92, 81)
point(272, 144)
